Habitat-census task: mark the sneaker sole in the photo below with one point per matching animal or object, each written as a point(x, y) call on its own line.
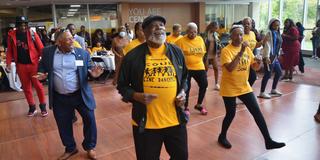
point(33, 114)
point(264, 97)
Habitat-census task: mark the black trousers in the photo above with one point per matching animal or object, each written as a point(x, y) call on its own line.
point(201, 78)
point(251, 103)
point(252, 76)
point(148, 143)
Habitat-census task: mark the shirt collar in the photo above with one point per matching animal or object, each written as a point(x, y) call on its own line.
point(59, 52)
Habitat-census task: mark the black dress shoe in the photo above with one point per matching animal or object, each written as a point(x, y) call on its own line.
point(274, 145)
point(224, 142)
point(67, 155)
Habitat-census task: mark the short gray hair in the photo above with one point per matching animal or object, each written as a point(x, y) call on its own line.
point(247, 18)
point(192, 25)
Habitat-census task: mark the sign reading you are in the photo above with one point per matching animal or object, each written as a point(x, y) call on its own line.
point(138, 14)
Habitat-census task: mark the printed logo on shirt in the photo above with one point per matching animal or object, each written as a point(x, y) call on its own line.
point(158, 70)
point(22, 45)
point(243, 64)
point(195, 52)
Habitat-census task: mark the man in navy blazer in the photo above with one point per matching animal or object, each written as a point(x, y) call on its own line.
point(67, 70)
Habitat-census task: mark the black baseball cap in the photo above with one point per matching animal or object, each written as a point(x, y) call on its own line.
point(152, 18)
point(22, 19)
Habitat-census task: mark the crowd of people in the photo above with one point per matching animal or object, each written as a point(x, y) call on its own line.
point(153, 72)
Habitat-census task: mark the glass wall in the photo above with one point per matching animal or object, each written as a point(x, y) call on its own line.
point(293, 9)
point(92, 16)
point(226, 13)
point(75, 14)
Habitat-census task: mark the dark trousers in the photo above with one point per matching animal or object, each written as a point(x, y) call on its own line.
point(301, 63)
point(251, 103)
point(275, 66)
point(148, 143)
point(252, 76)
point(201, 78)
point(63, 110)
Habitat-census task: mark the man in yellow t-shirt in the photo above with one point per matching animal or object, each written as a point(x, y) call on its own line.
point(194, 49)
point(139, 39)
point(236, 60)
point(153, 77)
point(176, 34)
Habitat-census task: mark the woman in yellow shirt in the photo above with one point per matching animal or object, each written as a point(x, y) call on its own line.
point(236, 60)
point(98, 48)
point(250, 38)
point(139, 38)
point(194, 49)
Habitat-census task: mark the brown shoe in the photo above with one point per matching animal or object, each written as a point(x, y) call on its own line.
point(317, 117)
point(92, 154)
point(67, 155)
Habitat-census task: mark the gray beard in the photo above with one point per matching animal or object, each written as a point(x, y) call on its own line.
point(159, 40)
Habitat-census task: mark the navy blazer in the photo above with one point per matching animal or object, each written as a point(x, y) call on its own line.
point(46, 66)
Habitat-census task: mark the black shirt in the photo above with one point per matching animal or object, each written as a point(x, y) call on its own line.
point(23, 48)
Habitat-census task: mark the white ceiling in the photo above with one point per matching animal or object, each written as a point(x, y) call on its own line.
point(25, 3)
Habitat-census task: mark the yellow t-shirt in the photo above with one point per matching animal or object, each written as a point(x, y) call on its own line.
point(76, 44)
point(133, 44)
point(235, 83)
point(172, 39)
point(98, 49)
point(251, 39)
point(160, 78)
point(193, 51)
point(221, 31)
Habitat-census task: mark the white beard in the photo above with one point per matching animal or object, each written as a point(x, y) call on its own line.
point(158, 40)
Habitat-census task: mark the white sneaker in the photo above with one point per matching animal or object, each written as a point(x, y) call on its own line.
point(264, 95)
point(217, 87)
point(275, 93)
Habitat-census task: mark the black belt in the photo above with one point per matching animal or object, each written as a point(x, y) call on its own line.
point(77, 92)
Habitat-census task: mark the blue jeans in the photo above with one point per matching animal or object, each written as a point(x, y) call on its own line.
point(275, 66)
point(315, 45)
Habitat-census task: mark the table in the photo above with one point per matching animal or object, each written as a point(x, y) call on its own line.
point(108, 60)
point(13, 77)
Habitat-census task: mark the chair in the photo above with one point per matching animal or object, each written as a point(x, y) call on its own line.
point(98, 61)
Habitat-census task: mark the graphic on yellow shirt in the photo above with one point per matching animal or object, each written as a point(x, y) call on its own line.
point(76, 44)
point(172, 39)
point(160, 79)
point(235, 83)
point(133, 44)
point(194, 51)
point(251, 39)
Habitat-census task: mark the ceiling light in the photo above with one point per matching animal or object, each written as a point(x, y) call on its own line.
point(63, 17)
point(75, 6)
point(70, 15)
point(73, 10)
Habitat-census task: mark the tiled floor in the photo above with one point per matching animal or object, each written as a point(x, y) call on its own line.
point(289, 118)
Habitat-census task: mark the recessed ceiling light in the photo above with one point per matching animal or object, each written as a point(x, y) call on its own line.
point(73, 10)
point(75, 5)
point(70, 15)
point(63, 17)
